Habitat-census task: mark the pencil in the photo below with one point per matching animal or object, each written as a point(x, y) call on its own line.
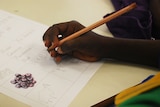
point(99, 23)
point(91, 27)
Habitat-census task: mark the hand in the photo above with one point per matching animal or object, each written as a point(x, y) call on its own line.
point(84, 47)
point(91, 46)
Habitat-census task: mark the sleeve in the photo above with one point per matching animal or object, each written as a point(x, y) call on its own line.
point(145, 94)
point(136, 24)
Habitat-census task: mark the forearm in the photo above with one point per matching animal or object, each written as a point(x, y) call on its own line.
point(137, 51)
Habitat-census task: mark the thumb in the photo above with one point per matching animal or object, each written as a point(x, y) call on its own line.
point(66, 47)
point(59, 50)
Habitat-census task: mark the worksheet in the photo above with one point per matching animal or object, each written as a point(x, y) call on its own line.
point(23, 53)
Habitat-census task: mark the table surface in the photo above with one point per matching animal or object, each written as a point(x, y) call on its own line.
point(113, 76)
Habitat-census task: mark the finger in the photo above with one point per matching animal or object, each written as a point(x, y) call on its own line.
point(50, 36)
point(59, 50)
point(55, 30)
point(58, 59)
point(54, 44)
point(47, 43)
point(52, 53)
point(56, 56)
point(65, 29)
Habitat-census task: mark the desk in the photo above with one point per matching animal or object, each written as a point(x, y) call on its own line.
point(113, 76)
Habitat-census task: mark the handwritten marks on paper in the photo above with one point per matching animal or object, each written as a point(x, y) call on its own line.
point(22, 51)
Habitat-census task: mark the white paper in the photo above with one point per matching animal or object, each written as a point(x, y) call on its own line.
point(22, 51)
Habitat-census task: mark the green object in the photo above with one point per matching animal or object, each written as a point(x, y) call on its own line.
point(150, 98)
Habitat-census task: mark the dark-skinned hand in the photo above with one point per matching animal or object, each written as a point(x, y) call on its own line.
point(92, 47)
point(84, 47)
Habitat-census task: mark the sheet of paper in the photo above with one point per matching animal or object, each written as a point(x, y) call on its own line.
point(22, 51)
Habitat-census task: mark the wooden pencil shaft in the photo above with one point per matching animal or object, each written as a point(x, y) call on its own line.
point(98, 23)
